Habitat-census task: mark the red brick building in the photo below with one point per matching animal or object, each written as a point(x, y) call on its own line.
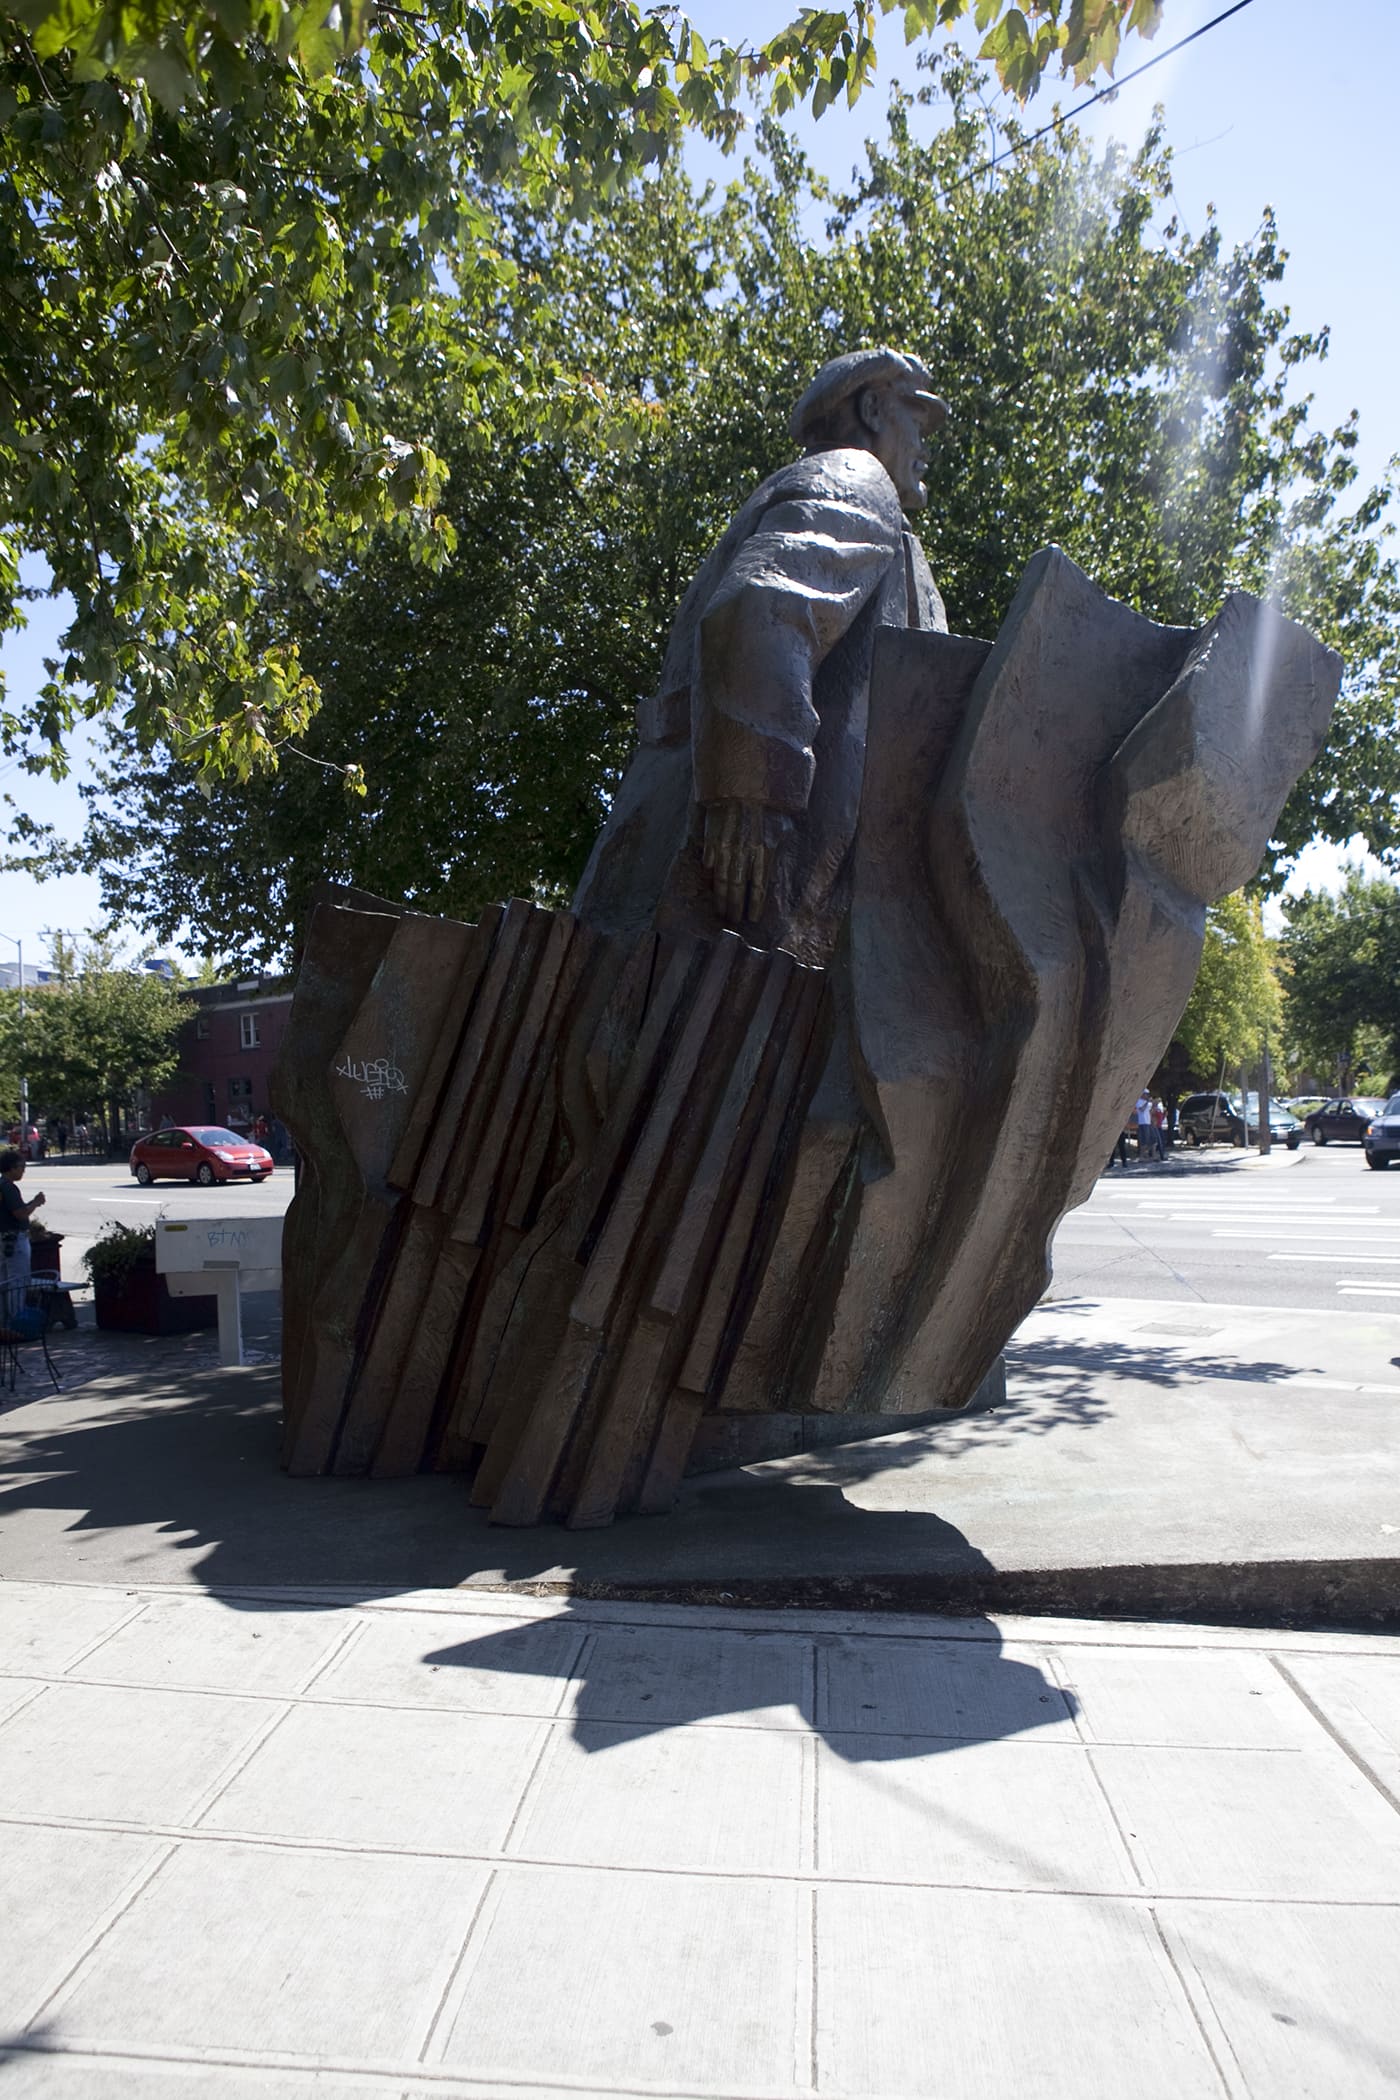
point(227, 1051)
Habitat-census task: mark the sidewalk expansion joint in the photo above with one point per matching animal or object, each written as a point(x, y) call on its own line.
point(110, 1918)
point(1387, 1794)
point(1214, 2038)
point(526, 1863)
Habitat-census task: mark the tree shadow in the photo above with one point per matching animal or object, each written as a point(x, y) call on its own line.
point(1074, 1388)
point(1144, 1363)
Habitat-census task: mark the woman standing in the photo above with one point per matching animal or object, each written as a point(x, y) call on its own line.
point(15, 1214)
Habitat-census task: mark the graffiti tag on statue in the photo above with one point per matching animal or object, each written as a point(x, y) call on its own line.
point(375, 1076)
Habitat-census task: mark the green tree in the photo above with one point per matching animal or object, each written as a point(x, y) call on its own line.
point(240, 243)
point(91, 1038)
point(1236, 1003)
point(1341, 957)
point(1121, 392)
point(186, 53)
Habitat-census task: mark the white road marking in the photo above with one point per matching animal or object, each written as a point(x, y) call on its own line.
point(1342, 1220)
point(1165, 1196)
point(1358, 1258)
point(1268, 1232)
point(1341, 1385)
point(1371, 1290)
point(1243, 1220)
point(1360, 1220)
point(1252, 1210)
point(1222, 1221)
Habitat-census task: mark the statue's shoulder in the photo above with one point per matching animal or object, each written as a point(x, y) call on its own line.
point(847, 476)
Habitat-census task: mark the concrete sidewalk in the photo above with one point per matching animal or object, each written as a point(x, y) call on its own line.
point(306, 1846)
point(1153, 1459)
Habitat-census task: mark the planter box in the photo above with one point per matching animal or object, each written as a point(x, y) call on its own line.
point(139, 1303)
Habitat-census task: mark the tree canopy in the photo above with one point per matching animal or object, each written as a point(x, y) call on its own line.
point(241, 244)
point(1341, 959)
point(1236, 1002)
point(86, 1040)
point(1136, 395)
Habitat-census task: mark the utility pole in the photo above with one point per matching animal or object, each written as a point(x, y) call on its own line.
point(23, 1082)
point(1265, 1140)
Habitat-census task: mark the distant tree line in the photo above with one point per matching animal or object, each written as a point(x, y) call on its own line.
point(90, 1041)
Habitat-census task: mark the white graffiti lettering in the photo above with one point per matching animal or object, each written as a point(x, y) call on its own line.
point(375, 1076)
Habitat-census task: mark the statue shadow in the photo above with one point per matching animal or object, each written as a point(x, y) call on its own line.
point(112, 1488)
point(111, 1481)
point(149, 1475)
point(872, 1697)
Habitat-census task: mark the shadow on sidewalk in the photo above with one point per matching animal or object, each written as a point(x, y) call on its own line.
point(135, 1477)
point(137, 1481)
point(133, 1480)
point(871, 1701)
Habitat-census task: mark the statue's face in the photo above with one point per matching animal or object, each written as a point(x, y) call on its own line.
point(895, 433)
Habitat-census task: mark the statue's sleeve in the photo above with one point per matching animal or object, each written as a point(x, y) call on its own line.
point(793, 589)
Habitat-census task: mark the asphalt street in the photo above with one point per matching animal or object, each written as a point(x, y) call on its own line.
point(79, 1200)
point(1315, 1229)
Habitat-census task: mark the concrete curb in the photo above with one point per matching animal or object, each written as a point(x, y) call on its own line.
point(1348, 1594)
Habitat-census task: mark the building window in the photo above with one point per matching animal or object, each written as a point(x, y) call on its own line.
point(248, 1032)
point(201, 1028)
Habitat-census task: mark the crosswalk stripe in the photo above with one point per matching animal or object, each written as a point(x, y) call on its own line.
point(1245, 1204)
point(1236, 1221)
point(1350, 1239)
point(1247, 1208)
point(1336, 1257)
point(1348, 1222)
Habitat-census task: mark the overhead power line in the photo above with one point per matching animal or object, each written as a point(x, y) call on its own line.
point(1113, 87)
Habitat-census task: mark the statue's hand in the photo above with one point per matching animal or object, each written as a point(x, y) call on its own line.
point(742, 842)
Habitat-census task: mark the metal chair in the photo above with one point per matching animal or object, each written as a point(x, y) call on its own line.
point(25, 1314)
point(55, 1295)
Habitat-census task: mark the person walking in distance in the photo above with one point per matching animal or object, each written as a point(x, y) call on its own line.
point(1159, 1126)
point(1142, 1115)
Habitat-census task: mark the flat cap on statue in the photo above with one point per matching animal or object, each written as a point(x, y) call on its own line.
point(844, 376)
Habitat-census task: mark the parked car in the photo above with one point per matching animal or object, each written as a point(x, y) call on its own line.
point(204, 1153)
point(1223, 1119)
point(1342, 1120)
point(1382, 1134)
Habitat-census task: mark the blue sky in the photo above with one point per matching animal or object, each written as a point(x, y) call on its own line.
point(1289, 104)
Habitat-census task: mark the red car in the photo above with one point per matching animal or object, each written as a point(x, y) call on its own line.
point(205, 1154)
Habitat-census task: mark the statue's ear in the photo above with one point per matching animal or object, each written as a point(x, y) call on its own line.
point(869, 410)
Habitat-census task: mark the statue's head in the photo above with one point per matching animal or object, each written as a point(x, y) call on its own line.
point(880, 401)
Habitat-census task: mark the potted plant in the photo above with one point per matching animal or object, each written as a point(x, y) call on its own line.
point(127, 1294)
